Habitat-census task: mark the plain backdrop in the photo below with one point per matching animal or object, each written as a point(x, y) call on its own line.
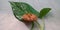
point(9, 22)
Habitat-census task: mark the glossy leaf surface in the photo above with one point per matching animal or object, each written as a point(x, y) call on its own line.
point(43, 12)
point(20, 8)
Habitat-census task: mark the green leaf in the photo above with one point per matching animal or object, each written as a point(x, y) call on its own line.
point(43, 12)
point(21, 8)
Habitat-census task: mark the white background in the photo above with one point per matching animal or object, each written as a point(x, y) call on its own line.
point(9, 22)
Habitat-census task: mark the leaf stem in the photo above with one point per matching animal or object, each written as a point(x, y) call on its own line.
point(38, 24)
point(41, 26)
point(32, 25)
